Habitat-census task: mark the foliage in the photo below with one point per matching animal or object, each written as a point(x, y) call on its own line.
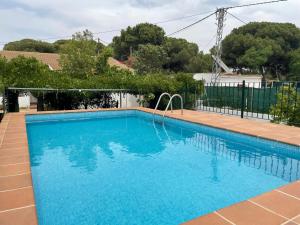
point(3, 72)
point(78, 56)
point(22, 71)
point(146, 99)
point(179, 52)
point(58, 45)
point(172, 54)
point(189, 88)
point(29, 45)
point(294, 65)
point(149, 59)
point(29, 72)
point(132, 37)
point(144, 41)
point(287, 107)
point(201, 63)
point(101, 61)
point(261, 46)
point(74, 100)
point(256, 57)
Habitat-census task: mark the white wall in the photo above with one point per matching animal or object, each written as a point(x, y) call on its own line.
point(251, 81)
point(24, 101)
point(234, 80)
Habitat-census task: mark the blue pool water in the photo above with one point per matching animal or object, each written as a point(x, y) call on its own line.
point(122, 167)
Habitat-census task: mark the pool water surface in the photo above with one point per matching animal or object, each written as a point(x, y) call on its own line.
point(128, 167)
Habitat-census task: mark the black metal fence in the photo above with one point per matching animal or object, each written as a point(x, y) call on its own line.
point(277, 101)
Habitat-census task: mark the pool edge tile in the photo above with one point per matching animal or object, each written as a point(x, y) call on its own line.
point(209, 219)
point(21, 216)
point(8, 127)
point(17, 204)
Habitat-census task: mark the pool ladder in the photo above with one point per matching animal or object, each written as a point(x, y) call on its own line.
point(169, 103)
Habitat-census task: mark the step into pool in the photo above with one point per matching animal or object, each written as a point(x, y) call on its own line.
point(132, 168)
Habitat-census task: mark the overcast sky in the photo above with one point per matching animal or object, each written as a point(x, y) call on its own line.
point(42, 19)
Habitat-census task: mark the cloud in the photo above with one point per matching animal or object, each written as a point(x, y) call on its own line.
point(60, 18)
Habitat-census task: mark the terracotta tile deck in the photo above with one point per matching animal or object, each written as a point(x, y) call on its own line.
point(278, 207)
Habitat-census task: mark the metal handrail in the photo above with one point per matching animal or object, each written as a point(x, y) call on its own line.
point(163, 94)
point(170, 102)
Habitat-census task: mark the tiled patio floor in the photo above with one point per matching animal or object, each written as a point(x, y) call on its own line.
point(281, 206)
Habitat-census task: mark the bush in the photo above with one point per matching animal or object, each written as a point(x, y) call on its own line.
point(287, 107)
point(30, 73)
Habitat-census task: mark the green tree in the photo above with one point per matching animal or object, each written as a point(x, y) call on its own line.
point(256, 57)
point(149, 59)
point(58, 45)
point(101, 63)
point(3, 72)
point(78, 57)
point(23, 72)
point(179, 52)
point(132, 37)
point(294, 65)
point(30, 45)
point(270, 43)
point(201, 63)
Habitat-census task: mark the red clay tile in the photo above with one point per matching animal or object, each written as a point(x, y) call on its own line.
point(290, 223)
point(14, 159)
point(246, 213)
point(23, 216)
point(279, 203)
point(16, 169)
point(209, 219)
point(292, 189)
point(16, 198)
point(13, 145)
point(13, 182)
point(297, 219)
point(13, 152)
point(13, 141)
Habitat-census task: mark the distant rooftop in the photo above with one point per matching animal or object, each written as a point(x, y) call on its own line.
point(52, 59)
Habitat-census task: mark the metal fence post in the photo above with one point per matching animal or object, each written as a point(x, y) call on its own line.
point(5, 102)
point(243, 100)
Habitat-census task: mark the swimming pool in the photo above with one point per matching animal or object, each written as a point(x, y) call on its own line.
point(124, 167)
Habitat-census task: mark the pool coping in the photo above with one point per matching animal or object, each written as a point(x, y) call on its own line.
point(17, 204)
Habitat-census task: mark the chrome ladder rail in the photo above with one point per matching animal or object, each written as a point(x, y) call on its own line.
point(170, 103)
point(163, 94)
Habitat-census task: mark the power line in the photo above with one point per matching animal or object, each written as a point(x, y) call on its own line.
point(119, 29)
point(209, 42)
point(192, 24)
point(171, 20)
point(237, 18)
point(226, 8)
point(183, 17)
point(253, 4)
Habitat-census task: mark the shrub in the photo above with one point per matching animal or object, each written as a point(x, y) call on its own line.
point(287, 107)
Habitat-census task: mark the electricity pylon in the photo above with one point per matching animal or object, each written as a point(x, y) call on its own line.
point(221, 15)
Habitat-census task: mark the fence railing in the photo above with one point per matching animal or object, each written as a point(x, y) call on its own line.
point(279, 101)
point(48, 99)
